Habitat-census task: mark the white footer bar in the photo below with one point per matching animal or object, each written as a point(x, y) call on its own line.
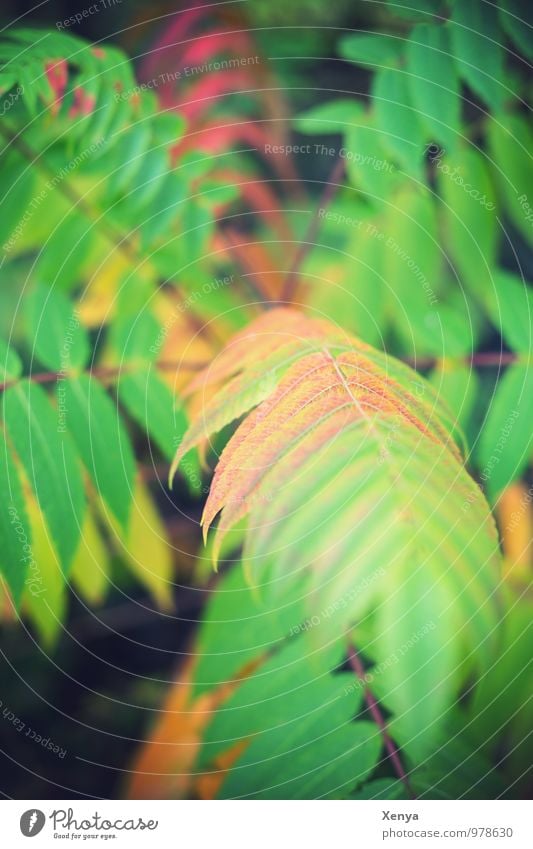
point(266, 825)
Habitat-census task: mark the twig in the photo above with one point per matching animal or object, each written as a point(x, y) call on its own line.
point(289, 287)
point(377, 716)
point(250, 276)
point(103, 372)
point(483, 359)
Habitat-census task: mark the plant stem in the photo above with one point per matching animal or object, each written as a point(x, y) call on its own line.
point(356, 664)
point(253, 280)
point(308, 241)
point(483, 359)
point(103, 372)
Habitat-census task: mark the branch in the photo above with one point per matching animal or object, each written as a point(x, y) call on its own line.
point(483, 359)
point(103, 372)
point(251, 277)
point(377, 716)
point(308, 241)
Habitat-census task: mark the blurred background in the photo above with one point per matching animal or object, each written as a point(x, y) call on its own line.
point(95, 686)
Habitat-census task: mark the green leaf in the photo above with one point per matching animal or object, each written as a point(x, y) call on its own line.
point(413, 9)
point(145, 548)
point(434, 84)
point(456, 770)
point(15, 200)
point(10, 363)
point(412, 260)
point(511, 310)
point(313, 760)
point(59, 339)
point(457, 385)
point(510, 144)
point(153, 406)
point(330, 117)
point(505, 688)
point(413, 629)
point(469, 214)
point(223, 648)
point(66, 249)
point(517, 20)
point(102, 441)
point(290, 682)
point(476, 40)
point(90, 572)
point(374, 50)
point(166, 206)
point(381, 788)
point(45, 598)
point(506, 441)
point(398, 121)
point(50, 463)
point(15, 533)
point(134, 338)
point(358, 303)
point(368, 163)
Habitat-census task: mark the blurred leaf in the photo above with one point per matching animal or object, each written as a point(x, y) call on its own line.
point(368, 163)
point(285, 671)
point(359, 303)
point(14, 547)
point(505, 445)
point(50, 463)
point(381, 788)
point(66, 248)
point(511, 310)
point(374, 50)
point(469, 215)
point(477, 45)
point(134, 338)
point(102, 441)
point(15, 198)
point(330, 117)
point(398, 120)
point(414, 8)
point(59, 340)
point(510, 143)
point(457, 385)
point(502, 700)
point(10, 363)
point(517, 20)
point(154, 407)
point(45, 598)
point(91, 567)
point(145, 547)
point(434, 84)
point(427, 610)
point(411, 268)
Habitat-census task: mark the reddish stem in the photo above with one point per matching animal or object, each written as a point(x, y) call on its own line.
point(377, 716)
point(486, 358)
point(103, 372)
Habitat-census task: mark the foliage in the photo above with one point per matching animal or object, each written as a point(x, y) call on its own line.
point(431, 228)
point(336, 418)
point(93, 202)
point(167, 286)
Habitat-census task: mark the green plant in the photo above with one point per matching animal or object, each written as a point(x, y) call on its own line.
point(365, 638)
point(357, 534)
point(96, 215)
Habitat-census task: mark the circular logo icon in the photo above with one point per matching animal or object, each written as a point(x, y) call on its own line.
point(32, 822)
